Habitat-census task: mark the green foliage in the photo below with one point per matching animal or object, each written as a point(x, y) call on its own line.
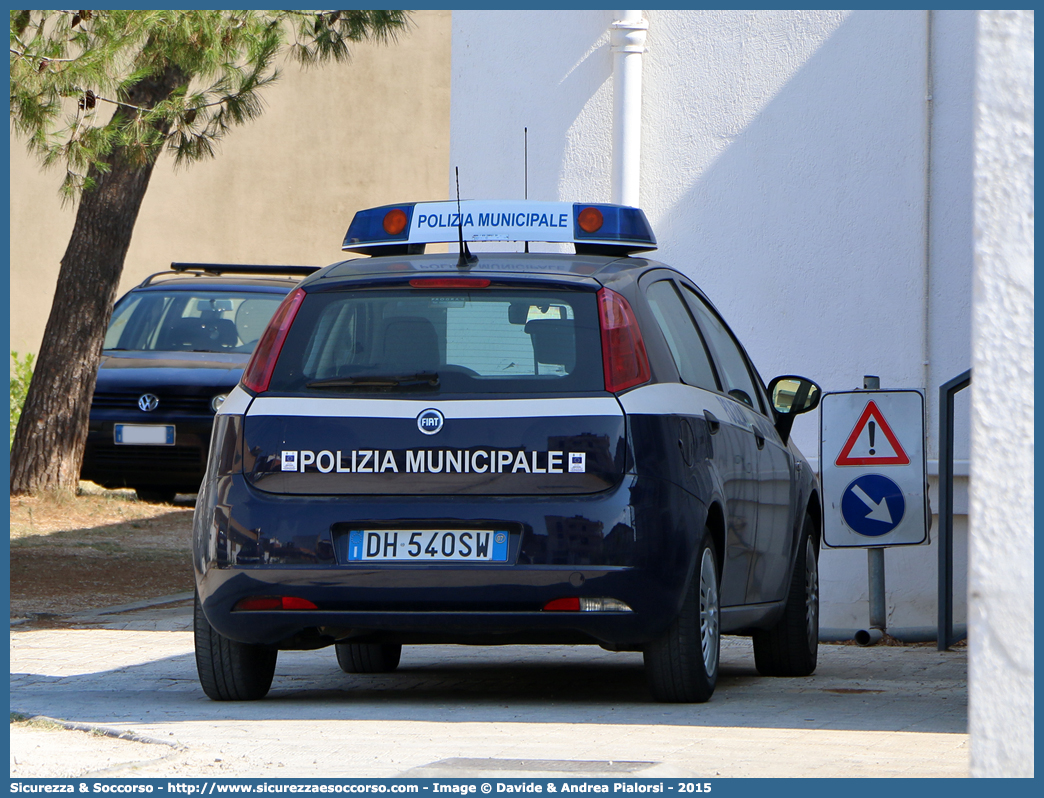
point(21, 374)
point(81, 80)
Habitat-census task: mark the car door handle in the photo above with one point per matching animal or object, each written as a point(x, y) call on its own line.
point(758, 437)
point(712, 422)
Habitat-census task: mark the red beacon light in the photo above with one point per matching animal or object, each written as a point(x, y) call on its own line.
point(395, 221)
point(590, 220)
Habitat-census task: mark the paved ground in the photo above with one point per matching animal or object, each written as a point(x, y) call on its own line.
point(473, 712)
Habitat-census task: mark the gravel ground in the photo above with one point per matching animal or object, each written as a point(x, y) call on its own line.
point(97, 549)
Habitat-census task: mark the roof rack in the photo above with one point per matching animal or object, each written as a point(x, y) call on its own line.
point(218, 269)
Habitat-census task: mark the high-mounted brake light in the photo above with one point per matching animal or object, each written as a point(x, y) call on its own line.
point(623, 351)
point(449, 282)
point(258, 372)
point(262, 603)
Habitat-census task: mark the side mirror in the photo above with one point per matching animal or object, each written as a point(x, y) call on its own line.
point(792, 396)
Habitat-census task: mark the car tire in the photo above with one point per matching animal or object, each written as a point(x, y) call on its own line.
point(791, 647)
point(368, 657)
point(229, 670)
point(682, 665)
point(156, 495)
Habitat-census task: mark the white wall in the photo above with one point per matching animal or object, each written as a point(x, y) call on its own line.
point(785, 161)
point(1001, 591)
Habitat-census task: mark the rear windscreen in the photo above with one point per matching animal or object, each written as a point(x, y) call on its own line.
point(190, 321)
point(415, 340)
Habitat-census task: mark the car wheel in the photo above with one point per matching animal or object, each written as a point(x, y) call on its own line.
point(156, 495)
point(791, 647)
point(229, 670)
point(682, 666)
point(368, 657)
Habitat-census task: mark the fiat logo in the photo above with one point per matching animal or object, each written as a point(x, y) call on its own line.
point(148, 402)
point(430, 421)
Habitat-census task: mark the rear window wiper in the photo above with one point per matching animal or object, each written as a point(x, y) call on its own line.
point(424, 379)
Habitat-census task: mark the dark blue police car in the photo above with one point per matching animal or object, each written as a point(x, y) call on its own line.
point(508, 448)
point(176, 345)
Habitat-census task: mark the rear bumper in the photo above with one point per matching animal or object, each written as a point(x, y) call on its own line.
point(421, 623)
point(635, 543)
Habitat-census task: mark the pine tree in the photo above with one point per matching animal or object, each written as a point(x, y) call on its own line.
point(104, 93)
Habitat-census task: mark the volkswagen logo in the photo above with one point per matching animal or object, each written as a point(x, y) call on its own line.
point(430, 421)
point(148, 401)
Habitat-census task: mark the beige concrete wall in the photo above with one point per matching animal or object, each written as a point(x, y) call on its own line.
point(282, 189)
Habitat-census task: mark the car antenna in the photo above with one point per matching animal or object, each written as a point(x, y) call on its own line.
point(525, 167)
point(466, 259)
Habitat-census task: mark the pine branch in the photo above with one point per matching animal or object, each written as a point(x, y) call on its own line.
point(75, 61)
point(42, 58)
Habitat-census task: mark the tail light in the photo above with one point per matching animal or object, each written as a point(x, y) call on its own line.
point(262, 603)
point(623, 351)
point(570, 604)
point(575, 604)
point(258, 372)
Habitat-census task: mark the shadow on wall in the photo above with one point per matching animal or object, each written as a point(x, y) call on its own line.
point(815, 210)
point(783, 168)
point(567, 67)
point(807, 230)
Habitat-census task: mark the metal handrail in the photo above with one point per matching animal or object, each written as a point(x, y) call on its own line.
point(945, 637)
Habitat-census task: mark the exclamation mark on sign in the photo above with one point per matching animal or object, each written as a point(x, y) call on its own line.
point(873, 427)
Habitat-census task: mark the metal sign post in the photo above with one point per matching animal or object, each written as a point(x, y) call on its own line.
point(872, 465)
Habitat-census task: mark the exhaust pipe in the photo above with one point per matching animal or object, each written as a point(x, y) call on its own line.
point(869, 637)
point(904, 634)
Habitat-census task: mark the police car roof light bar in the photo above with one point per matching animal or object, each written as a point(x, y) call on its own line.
point(593, 228)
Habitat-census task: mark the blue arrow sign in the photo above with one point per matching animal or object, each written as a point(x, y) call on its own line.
point(872, 505)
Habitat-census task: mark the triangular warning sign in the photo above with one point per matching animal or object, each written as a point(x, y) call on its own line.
point(877, 444)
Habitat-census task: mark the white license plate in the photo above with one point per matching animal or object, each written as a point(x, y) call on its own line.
point(429, 545)
point(144, 434)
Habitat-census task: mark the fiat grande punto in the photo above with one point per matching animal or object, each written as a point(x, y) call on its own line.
point(505, 447)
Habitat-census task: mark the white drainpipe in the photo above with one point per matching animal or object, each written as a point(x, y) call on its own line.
point(628, 44)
